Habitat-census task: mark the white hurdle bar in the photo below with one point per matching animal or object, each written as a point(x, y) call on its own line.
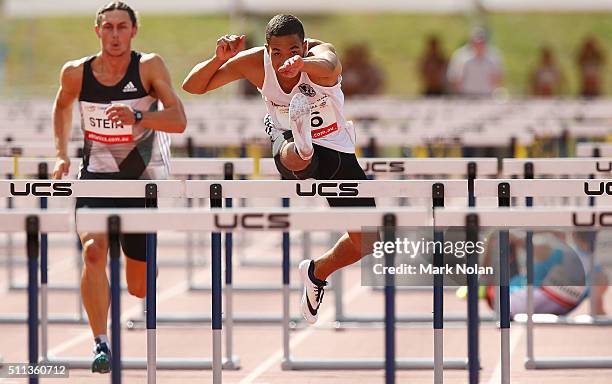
point(483, 166)
point(142, 220)
point(178, 166)
point(558, 166)
point(504, 190)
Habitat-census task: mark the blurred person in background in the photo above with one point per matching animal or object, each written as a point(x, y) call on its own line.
point(475, 69)
point(432, 68)
point(591, 61)
point(245, 88)
point(360, 76)
point(546, 79)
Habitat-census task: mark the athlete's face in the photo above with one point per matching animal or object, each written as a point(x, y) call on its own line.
point(116, 32)
point(282, 48)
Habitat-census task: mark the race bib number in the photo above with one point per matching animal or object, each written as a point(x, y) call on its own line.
point(98, 127)
point(322, 117)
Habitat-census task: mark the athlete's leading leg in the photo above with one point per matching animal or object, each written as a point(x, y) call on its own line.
point(95, 294)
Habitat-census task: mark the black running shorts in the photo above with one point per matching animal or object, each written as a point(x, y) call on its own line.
point(326, 164)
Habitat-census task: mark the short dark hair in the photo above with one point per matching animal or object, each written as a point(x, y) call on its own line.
point(114, 6)
point(284, 25)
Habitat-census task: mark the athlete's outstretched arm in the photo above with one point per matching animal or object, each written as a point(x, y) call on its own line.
point(223, 68)
point(70, 80)
point(321, 63)
point(172, 118)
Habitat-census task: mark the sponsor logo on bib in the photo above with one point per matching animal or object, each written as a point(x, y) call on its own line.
point(98, 127)
point(307, 90)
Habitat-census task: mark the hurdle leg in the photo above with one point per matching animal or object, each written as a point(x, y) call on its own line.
point(504, 305)
point(114, 229)
point(44, 291)
point(438, 292)
point(79, 271)
point(32, 228)
point(217, 296)
point(389, 235)
point(472, 304)
point(190, 256)
point(286, 363)
point(151, 296)
point(438, 319)
point(338, 283)
point(231, 362)
point(530, 350)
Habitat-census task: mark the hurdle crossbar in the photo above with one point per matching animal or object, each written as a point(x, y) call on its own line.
point(558, 166)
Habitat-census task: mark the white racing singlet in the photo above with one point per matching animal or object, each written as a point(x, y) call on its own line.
point(329, 127)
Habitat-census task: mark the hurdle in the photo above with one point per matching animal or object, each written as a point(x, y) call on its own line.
point(530, 168)
point(33, 226)
point(182, 167)
point(470, 168)
point(109, 188)
point(505, 219)
point(280, 220)
point(364, 188)
point(529, 188)
point(39, 170)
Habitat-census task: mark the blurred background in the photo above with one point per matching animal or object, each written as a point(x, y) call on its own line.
point(390, 38)
point(440, 78)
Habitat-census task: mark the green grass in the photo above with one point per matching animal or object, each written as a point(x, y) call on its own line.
point(37, 48)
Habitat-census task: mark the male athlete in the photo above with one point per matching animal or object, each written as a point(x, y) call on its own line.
point(125, 139)
point(299, 80)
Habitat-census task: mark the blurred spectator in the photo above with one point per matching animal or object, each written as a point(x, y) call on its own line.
point(591, 62)
point(360, 76)
point(432, 68)
point(475, 69)
point(546, 79)
point(245, 88)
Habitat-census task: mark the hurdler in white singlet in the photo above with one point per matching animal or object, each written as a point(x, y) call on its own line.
point(329, 127)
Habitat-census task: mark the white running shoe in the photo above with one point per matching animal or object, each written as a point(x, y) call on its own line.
point(299, 119)
point(313, 291)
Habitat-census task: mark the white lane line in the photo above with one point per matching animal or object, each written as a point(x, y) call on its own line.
point(276, 357)
point(134, 310)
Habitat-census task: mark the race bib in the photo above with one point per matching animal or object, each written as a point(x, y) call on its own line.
point(98, 127)
point(322, 117)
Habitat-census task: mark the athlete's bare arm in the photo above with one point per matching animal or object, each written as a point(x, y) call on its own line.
point(156, 79)
point(71, 77)
point(321, 64)
point(227, 65)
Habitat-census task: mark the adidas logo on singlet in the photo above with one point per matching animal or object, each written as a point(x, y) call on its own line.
point(129, 87)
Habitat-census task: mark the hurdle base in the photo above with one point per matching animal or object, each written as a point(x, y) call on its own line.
point(174, 363)
point(545, 319)
point(408, 319)
point(188, 319)
point(249, 288)
point(54, 287)
point(57, 319)
point(594, 362)
point(368, 364)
